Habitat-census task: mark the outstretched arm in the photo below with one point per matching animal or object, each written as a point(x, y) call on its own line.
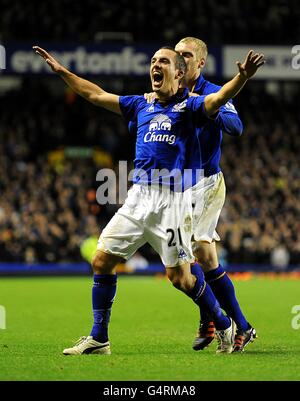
point(249, 67)
point(91, 92)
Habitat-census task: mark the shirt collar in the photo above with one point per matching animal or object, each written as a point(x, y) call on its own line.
point(179, 96)
point(199, 84)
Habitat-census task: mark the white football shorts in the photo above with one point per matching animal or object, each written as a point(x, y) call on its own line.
point(155, 215)
point(208, 197)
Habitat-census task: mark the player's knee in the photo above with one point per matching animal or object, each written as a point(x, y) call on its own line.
point(103, 263)
point(207, 264)
point(181, 283)
point(206, 257)
point(177, 282)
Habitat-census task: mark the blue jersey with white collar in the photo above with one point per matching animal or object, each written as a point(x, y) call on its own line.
point(206, 145)
point(163, 134)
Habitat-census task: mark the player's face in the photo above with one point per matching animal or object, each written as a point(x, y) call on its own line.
point(164, 75)
point(193, 62)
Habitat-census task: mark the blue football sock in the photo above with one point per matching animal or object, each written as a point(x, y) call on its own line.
point(223, 289)
point(103, 294)
point(197, 271)
point(203, 296)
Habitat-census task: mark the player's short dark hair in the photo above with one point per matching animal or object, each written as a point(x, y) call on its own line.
point(179, 61)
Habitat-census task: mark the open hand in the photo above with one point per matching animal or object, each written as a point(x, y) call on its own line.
point(251, 64)
point(54, 64)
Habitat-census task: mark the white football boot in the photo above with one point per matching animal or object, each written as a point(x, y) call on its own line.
point(87, 345)
point(226, 339)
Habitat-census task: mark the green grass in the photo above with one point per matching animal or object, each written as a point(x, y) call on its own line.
point(151, 332)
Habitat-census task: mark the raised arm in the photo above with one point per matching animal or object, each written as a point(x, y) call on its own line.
point(249, 67)
point(89, 91)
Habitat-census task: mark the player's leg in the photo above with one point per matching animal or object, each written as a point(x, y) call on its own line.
point(219, 281)
point(119, 241)
point(206, 332)
point(209, 198)
point(196, 288)
point(169, 234)
point(103, 294)
point(200, 292)
point(224, 291)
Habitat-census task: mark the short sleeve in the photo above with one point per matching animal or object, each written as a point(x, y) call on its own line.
point(130, 105)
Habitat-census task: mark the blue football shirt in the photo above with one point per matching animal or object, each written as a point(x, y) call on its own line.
point(206, 145)
point(163, 134)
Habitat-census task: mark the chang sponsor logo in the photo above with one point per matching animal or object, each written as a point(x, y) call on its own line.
point(152, 137)
point(160, 123)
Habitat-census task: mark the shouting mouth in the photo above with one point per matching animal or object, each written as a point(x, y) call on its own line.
point(157, 79)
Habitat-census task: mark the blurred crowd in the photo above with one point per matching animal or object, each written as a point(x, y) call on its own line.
point(261, 218)
point(215, 21)
point(44, 213)
point(48, 203)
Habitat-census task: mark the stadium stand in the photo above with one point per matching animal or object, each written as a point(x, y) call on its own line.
point(48, 206)
point(47, 202)
point(216, 22)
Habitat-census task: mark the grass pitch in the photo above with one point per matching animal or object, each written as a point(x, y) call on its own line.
point(151, 332)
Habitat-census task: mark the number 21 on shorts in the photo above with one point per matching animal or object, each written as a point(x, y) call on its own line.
point(172, 239)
